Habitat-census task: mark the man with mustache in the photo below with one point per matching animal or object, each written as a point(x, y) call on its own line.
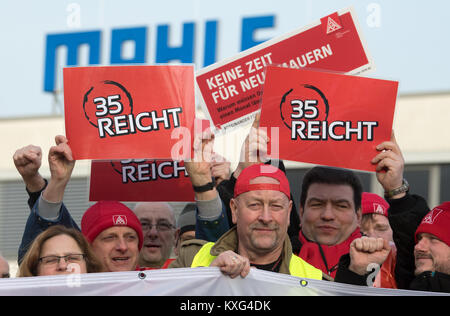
point(260, 211)
point(432, 251)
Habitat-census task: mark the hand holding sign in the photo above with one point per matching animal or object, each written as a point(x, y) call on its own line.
point(390, 165)
point(199, 169)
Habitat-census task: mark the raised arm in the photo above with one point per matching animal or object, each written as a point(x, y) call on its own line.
point(406, 210)
point(61, 165)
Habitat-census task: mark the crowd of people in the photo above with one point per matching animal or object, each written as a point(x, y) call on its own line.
point(242, 220)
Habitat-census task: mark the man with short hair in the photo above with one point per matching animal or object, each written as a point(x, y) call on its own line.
point(158, 225)
point(330, 215)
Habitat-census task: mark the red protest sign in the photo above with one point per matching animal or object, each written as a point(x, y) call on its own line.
point(231, 89)
point(327, 119)
point(140, 180)
point(131, 111)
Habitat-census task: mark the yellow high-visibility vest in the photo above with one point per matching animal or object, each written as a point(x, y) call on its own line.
point(297, 266)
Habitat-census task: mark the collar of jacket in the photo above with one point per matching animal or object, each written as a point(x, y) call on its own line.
point(230, 241)
point(431, 281)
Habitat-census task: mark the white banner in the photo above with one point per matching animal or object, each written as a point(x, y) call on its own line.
point(185, 282)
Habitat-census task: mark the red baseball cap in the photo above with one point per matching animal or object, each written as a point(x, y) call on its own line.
point(105, 214)
point(243, 183)
point(437, 223)
point(374, 204)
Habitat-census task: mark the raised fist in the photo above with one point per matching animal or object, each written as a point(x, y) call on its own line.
point(366, 251)
point(28, 160)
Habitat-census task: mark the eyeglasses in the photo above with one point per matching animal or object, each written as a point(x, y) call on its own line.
point(53, 260)
point(161, 227)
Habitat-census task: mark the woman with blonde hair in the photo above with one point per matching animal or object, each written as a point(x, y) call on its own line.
point(59, 250)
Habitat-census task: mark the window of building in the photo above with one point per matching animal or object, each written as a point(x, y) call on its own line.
point(418, 178)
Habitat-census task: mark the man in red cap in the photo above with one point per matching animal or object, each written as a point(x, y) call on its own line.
point(115, 234)
point(421, 236)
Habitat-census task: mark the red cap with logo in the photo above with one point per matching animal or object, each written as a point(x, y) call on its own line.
point(374, 204)
point(105, 214)
point(437, 223)
point(243, 183)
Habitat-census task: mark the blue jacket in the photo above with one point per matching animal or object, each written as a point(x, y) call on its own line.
point(212, 230)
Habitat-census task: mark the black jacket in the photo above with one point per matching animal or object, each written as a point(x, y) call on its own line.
point(431, 281)
point(405, 215)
